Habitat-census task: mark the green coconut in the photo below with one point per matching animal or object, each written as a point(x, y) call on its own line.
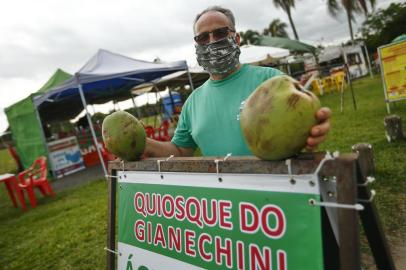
point(124, 135)
point(277, 117)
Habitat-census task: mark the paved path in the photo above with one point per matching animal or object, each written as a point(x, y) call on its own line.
point(76, 179)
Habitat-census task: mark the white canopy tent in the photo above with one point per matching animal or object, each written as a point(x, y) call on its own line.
point(261, 55)
point(106, 76)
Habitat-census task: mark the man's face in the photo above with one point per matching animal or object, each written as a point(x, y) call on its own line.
point(211, 21)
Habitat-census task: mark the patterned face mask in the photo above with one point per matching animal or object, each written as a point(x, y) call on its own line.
point(219, 57)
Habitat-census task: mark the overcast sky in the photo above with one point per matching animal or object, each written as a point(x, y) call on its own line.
point(37, 37)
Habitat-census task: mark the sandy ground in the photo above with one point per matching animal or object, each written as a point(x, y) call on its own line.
point(400, 259)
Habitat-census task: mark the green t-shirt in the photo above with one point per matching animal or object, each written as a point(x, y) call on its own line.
point(209, 118)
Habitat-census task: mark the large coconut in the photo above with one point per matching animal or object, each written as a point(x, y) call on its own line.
point(277, 117)
point(124, 135)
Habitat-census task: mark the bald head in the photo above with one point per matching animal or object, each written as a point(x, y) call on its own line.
point(220, 12)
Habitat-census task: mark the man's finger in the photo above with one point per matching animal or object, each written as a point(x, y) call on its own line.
point(320, 129)
point(315, 141)
point(323, 114)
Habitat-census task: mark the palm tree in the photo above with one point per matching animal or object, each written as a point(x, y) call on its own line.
point(351, 7)
point(249, 37)
point(286, 5)
point(276, 28)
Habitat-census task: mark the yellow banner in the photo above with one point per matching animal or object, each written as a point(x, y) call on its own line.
point(393, 61)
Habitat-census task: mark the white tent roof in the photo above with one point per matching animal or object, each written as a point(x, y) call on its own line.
point(197, 74)
point(330, 53)
point(106, 76)
point(261, 55)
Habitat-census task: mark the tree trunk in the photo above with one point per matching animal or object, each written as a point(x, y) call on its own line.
point(292, 24)
point(393, 126)
point(350, 26)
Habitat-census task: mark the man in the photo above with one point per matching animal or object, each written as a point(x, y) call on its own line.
point(209, 118)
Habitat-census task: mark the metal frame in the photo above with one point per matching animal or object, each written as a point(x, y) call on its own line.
point(43, 137)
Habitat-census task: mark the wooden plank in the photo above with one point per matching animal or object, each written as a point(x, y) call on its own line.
point(111, 220)
point(369, 216)
point(331, 250)
point(302, 164)
point(347, 218)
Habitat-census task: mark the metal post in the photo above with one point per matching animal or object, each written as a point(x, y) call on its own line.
point(369, 61)
point(137, 109)
point(89, 120)
point(190, 79)
point(383, 80)
point(111, 221)
point(350, 83)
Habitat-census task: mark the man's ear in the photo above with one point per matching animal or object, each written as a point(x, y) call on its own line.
point(238, 38)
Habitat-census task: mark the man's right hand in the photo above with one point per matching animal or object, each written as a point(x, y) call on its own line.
point(154, 148)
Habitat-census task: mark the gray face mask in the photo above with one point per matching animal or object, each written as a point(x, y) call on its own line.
point(219, 57)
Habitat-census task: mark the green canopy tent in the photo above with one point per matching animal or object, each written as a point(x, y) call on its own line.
point(399, 38)
point(26, 128)
point(286, 43)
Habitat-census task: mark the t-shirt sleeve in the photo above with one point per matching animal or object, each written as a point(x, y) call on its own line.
point(183, 136)
point(274, 72)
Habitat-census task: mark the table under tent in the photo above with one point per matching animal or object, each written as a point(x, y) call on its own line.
point(105, 77)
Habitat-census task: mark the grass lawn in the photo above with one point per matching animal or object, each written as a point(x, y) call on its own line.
point(7, 164)
point(366, 125)
point(65, 232)
point(69, 231)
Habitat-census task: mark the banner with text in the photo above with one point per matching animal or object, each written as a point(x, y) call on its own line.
point(196, 221)
point(393, 62)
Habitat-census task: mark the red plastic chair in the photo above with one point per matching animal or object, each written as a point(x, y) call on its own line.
point(163, 132)
point(150, 132)
point(107, 156)
point(15, 156)
point(35, 177)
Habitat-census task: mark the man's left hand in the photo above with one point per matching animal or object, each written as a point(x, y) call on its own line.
point(319, 132)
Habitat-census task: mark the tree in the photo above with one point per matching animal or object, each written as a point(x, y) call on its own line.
point(249, 37)
point(384, 25)
point(351, 7)
point(286, 5)
point(276, 28)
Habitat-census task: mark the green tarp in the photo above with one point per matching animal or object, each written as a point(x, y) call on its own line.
point(25, 126)
point(399, 38)
point(286, 43)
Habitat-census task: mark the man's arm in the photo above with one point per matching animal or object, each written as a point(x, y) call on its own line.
point(155, 148)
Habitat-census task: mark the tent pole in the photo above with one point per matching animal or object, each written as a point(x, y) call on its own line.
point(137, 110)
point(369, 61)
point(43, 137)
point(190, 79)
point(347, 70)
point(89, 120)
point(158, 110)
